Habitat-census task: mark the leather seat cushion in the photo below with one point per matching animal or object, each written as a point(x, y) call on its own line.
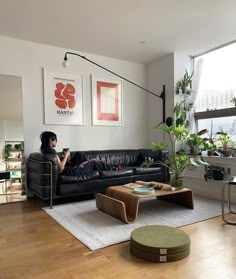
point(66, 179)
point(143, 170)
point(116, 173)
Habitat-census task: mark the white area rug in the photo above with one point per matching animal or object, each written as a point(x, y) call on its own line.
point(96, 229)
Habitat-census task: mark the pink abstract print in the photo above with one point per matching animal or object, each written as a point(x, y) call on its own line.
point(65, 95)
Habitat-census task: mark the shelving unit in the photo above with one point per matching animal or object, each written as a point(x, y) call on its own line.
point(14, 157)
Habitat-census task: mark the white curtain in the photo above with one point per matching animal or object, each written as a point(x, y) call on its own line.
point(196, 82)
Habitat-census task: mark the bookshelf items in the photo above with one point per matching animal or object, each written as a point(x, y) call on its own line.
point(14, 158)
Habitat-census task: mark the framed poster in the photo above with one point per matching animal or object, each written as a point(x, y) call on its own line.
point(63, 98)
point(106, 101)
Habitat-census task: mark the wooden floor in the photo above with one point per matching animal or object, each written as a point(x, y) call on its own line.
point(32, 245)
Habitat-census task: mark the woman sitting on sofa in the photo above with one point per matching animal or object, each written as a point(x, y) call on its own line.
point(49, 142)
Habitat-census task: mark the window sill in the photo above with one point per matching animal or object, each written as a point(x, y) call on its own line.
point(215, 113)
point(218, 159)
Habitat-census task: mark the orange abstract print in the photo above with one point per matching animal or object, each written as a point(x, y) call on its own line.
point(113, 115)
point(65, 95)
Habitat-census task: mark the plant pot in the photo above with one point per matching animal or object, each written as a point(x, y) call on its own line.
point(233, 153)
point(177, 182)
point(218, 175)
point(210, 153)
point(215, 172)
point(226, 153)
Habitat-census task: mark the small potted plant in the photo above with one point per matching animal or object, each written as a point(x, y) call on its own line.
point(18, 146)
point(184, 85)
point(233, 101)
point(214, 172)
point(210, 142)
point(225, 143)
point(196, 144)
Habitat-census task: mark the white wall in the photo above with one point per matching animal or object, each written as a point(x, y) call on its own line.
point(13, 130)
point(159, 72)
point(182, 62)
point(27, 59)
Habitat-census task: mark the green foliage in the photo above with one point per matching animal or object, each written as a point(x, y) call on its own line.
point(181, 111)
point(6, 151)
point(214, 172)
point(177, 132)
point(18, 146)
point(196, 143)
point(176, 162)
point(185, 83)
point(148, 162)
point(210, 142)
point(159, 145)
point(223, 140)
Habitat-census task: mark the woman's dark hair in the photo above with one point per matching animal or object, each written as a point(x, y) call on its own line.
point(45, 138)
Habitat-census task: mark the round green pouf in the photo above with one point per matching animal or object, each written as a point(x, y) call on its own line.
point(160, 243)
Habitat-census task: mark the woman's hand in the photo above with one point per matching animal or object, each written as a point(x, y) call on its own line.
point(62, 161)
point(66, 153)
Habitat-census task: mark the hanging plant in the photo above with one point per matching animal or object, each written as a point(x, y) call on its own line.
point(181, 111)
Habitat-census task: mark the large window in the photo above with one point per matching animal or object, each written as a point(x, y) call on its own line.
point(226, 124)
point(215, 88)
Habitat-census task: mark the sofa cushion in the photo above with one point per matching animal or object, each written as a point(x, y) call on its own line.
point(116, 173)
point(66, 179)
point(123, 157)
point(143, 170)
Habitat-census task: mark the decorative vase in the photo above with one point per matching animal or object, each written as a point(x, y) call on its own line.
point(177, 181)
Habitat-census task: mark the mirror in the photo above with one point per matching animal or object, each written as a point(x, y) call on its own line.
point(11, 139)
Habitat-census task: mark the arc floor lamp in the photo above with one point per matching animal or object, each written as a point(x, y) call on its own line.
point(162, 96)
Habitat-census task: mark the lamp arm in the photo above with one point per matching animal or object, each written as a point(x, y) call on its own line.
point(162, 96)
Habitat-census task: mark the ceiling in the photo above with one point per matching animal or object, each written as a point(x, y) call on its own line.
point(133, 30)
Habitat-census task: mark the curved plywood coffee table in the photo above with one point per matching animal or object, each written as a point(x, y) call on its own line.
point(121, 202)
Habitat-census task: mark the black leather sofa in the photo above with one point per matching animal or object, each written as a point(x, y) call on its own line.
point(44, 181)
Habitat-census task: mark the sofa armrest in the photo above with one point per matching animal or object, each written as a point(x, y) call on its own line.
point(42, 174)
